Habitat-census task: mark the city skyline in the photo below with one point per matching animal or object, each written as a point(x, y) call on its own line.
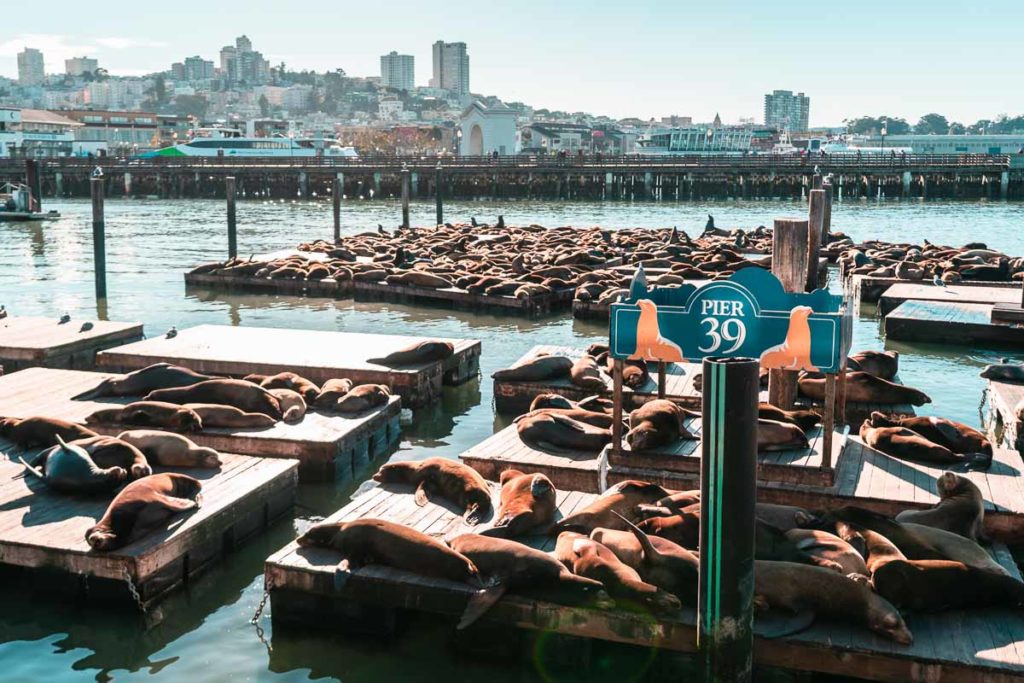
point(653, 60)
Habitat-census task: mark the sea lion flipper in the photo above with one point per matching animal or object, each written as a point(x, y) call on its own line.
point(778, 624)
point(473, 515)
point(96, 392)
point(31, 469)
point(422, 494)
point(342, 573)
point(177, 504)
point(479, 603)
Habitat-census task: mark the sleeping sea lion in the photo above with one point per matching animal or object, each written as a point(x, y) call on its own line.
point(779, 436)
point(141, 507)
point(293, 406)
point(829, 551)
point(590, 417)
point(443, 478)
point(527, 505)
point(420, 352)
point(543, 401)
point(884, 364)
point(418, 278)
point(586, 374)
point(170, 450)
point(862, 387)
point(956, 436)
point(330, 392)
point(906, 444)
point(231, 392)
point(1004, 372)
point(141, 382)
point(546, 430)
point(229, 417)
point(961, 508)
point(288, 380)
point(108, 451)
point(666, 565)
point(68, 468)
point(536, 369)
point(657, 423)
point(149, 414)
point(361, 398)
point(805, 419)
point(623, 498)
point(41, 431)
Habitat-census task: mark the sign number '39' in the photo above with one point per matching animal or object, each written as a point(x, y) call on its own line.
point(730, 331)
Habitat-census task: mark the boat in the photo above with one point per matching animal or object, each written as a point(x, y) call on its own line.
point(17, 205)
point(229, 142)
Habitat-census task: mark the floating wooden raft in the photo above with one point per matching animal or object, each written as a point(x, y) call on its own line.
point(327, 446)
point(515, 397)
point(44, 342)
point(951, 323)
point(318, 356)
point(453, 297)
point(42, 533)
point(955, 646)
point(327, 287)
point(869, 289)
point(1004, 424)
point(957, 294)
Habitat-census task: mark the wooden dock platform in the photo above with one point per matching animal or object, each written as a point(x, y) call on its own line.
point(869, 289)
point(949, 322)
point(42, 533)
point(1006, 425)
point(327, 287)
point(897, 294)
point(453, 297)
point(327, 446)
point(949, 646)
point(316, 355)
point(45, 342)
point(515, 397)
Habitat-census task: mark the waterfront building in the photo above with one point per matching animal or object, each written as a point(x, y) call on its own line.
point(1012, 144)
point(451, 67)
point(786, 111)
point(31, 70)
point(487, 129)
point(79, 66)
point(125, 132)
point(551, 138)
point(35, 133)
point(700, 139)
point(397, 71)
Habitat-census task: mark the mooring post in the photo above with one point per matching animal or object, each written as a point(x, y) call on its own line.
point(35, 201)
point(662, 378)
point(1004, 184)
point(816, 181)
point(826, 224)
point(728, 479)
point(99, 238)
point(229, 191)
point(405, 197)
point(789, 265)
point(336, 192)
point(617, 404)
point(815, 230)
point(438, 194)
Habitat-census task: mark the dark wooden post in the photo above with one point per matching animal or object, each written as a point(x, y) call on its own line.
point(229, 190)
point(617, 404)
point(728, 486)
point(789, 265)
point(35, 186)
point(816, 181)
point(815, 221)
point(438, 195)
point(405, 197)
point(99, 238)
point(336, 191)
point(826, 224)
point(662, 372)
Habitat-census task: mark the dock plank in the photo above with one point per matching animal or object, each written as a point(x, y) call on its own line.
point(1005, 424)
point(44, 342)
point(952, 323)
point(976, 294)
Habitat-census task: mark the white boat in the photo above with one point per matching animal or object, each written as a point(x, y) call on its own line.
point(17, 205)
point(229, 142)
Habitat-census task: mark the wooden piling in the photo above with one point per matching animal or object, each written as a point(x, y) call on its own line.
point(34, 183)
point(229, 190)
point(438, 184)
point(815, 224)
point(99, 240)
point(789, 265)
point(405, 198)
point(336, 191)
point(826, 223)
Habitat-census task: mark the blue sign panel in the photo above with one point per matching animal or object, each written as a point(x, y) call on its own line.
point(748, 315)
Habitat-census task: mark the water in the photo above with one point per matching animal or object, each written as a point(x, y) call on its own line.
point(46, 270)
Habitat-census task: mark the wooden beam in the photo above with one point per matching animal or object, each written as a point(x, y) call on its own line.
point(789, 265)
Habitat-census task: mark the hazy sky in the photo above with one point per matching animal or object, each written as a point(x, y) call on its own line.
point(639, 58)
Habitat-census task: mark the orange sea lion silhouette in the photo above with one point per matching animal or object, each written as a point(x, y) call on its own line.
point(795, 352)
point(650, 345)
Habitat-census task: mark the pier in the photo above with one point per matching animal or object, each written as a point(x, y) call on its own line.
point(46, 342)
point(952, 323)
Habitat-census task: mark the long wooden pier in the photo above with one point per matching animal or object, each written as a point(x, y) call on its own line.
point(1006, 413)
point(952, 323)
point(327, 446)
point(46, 342)
point(317, 356)
point(966, 645)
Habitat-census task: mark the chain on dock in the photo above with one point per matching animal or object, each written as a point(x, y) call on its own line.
point(134, 592)
point(255, 621)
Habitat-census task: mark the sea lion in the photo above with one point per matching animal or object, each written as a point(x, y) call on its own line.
point(141, 382)
point(171, 450)
point(229, 417)
point(41, 431)
point(862, 387)
point(416, 354)
point(956, 436)
point(590, 417)
point(586, 374)
point(961, 508)
point(884, 364)
point(149, 414)
point(906, 444)
point(650, 345)
point(108, 451)
point(801, 588)
point(287, 380)
point(795, 352)
point(293, 406)
point(1004, 372)
point(779, 436)
point(443, 478)
point(544, 401)
point(805, 419)
point(330, 392)
point(141, 507)
point(829, 551)
point(68, 468)
point(361, 398)
point(666, 565)
point(536, 369)
point(243, 395)
point(418, 278)
point(657, 423)
point(623, 498)
point(527, 505)
point(546, 430)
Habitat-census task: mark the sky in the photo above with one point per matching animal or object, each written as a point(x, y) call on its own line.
point(642, 58)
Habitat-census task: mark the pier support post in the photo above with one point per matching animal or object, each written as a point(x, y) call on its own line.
point(648, 182)
point(127, 184)
point(35, 188)
point(815, 230)
point(438, 195)
point(99, 238)
point(336, 192)
point(1004, 184)
point(229, 191)
point(609, 185)
point(728, 484)
point(906, 184)
point(58, 179)
point(414, 180)
point(789, 264)
point(303, 185)
point(826, 224)
point(376, 184)
point(405, 198)
point(816, 181)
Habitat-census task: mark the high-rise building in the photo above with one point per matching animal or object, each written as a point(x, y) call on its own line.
point(239, 63)
point(787, 111)
point(30, 67)
point(79, 66)
point(397, 71)
point(451, 67)
point(197, 69)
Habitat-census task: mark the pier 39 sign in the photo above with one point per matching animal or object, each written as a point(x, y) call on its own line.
point(748, 315)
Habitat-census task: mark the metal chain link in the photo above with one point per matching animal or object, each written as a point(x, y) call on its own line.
point(255, 621)
point(134, 591)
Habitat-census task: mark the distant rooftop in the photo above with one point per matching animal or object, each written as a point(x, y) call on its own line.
point(47, 117)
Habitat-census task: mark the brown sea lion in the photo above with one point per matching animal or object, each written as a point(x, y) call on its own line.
point(961, 508)
point(666, 565)
point(829, 551)
point(590, 417)
point(557, 401)
point(956, 436)
point(149, 414)
point(441, 478)
point(657, 423)
point(802, 588)
point(231, 392)
point(293, 406)
point(1004, 372)
point(41, 431)
point(361, 398)
point(288, 380)
point(805, 419)
point(427, 351)
point(170, 450)
point(229, 417)
point(906, 444)
point(108, 451)
point(330, 392)
point(546, 430)
point(779, 436)
point(418, 278)
point(527, 505)
point(536, 369)
point(141, 382)
point(883, 364)
point(68, 468)
point(142, 507)
point(862, 387)
point(586, 374)
point(623, 498)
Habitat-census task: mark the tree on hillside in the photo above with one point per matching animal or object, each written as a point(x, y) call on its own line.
point(264, 106)
point(932, 124)
point(191, 105)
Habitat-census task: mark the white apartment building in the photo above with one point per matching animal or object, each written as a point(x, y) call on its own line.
point(31, 70)
point(397, 71)
point(451, 67)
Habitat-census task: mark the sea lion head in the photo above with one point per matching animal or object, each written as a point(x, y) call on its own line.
point(209, 458)
point(663, 602)
point(188, 420)
point(320, 536)
point(186, 486)
point(396, 473)
point(880, 419)
point(7, 424)
point(949, 483)
point(550, 401)
point(641, 437)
